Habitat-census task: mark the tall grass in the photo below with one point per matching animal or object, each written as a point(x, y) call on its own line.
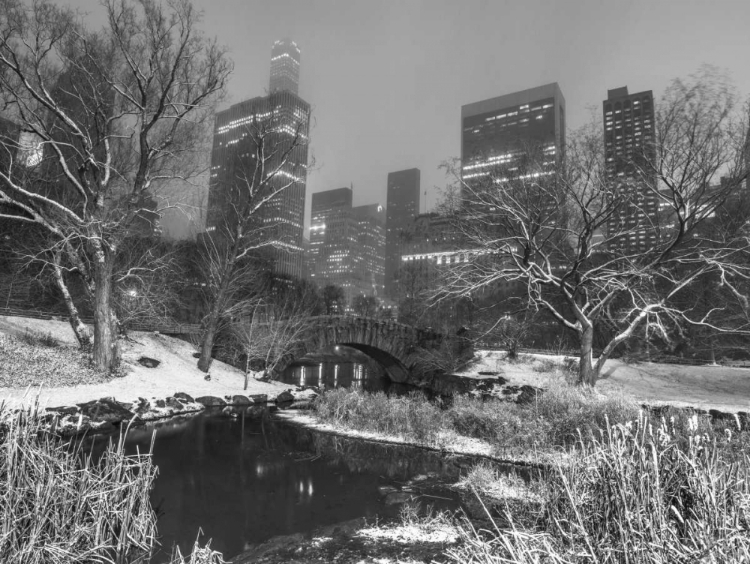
point(412, 416)
point(58, 505)
point(636, 494)
point(553, 420)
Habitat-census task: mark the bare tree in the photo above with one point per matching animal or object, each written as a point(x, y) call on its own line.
point(275, 326)
point(366, 306)
point(259, 169)
point(106, 118)
point(333, 299)
point(556, 232)
point(148, 280)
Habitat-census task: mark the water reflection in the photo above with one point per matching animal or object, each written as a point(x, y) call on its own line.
point(329, 374)
point(243, 480)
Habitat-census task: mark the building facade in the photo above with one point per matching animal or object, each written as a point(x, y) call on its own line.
point(370, 257)
point(347, 244)
point(402, 206)
point(285, 59)
point(628, 146)
point(498, 134)
point(281, 119)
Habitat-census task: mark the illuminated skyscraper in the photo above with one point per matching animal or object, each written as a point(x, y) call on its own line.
point(497, 133)
point(628, 145)
point(281, 219)
point(346, 244)
point(402, 206)
point(285, 57)
point(369, 267)
point(330, 232)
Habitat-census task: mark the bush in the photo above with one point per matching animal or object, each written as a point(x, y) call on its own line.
point(412, 417)
point(571, 410)
point(58, 505)
point(554, 420)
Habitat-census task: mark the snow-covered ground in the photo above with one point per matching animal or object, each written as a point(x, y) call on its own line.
point(177, 371)
point(706, 387)
point(724, 388)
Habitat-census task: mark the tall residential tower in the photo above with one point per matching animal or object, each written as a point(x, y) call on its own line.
point(284, 117)
point(285, 57)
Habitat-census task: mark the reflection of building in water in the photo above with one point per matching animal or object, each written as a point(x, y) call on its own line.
point(336, 374)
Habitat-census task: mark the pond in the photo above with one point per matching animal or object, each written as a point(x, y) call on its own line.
point(241, 480)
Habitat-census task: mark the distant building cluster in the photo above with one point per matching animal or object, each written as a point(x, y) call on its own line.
point(373, 250)
point(347, 244)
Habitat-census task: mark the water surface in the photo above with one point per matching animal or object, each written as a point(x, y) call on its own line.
point(243, 480)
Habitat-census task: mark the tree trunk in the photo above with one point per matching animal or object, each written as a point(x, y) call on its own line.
point(207, 343)
point(105, 336)
point(82, 333)
point(588, 372)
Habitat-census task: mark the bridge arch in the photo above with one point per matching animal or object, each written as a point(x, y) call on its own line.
point(393, 345)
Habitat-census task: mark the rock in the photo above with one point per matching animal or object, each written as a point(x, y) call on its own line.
point(717, 415)
point(284, 397)
point(105, 409)
point(196, 355)
point(211, 401)
point(69, 410)
point(144, 406)
point(161, 403)
point(182, 396)
point(241, 400)
point(148, 362)
point(386, 490)
point(396, 498)
point(259, 398)
point(174, 403)
point(528, 395)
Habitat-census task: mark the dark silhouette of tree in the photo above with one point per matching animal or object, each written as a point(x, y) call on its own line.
point(107, 118)
point(546, 228)
point(366, 306)
point(333, 299)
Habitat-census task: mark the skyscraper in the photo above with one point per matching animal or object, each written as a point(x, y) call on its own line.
point(281, 219)
point(402, 206)
point(285, 58)
point(628, 146)
point(370, 256)
point(496, 134)
point(330, 232)
point(346, 244)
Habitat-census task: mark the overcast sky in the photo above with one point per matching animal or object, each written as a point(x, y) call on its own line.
point(386, 79)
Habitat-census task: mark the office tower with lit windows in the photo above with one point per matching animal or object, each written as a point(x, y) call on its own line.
point(282, 112)
point(331, 233)
point(285, 58)
point(496, 134)
point(346, 244)
point(369, 266)
point(628, 146)
point(402, 206)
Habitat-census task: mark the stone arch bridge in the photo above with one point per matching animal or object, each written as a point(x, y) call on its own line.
point(394, 345)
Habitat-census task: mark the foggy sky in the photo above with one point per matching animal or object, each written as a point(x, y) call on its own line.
point(387, 79)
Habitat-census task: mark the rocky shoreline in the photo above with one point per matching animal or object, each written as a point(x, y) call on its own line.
point(104, 415)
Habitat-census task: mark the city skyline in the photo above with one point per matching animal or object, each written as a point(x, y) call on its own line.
point(387, 80)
